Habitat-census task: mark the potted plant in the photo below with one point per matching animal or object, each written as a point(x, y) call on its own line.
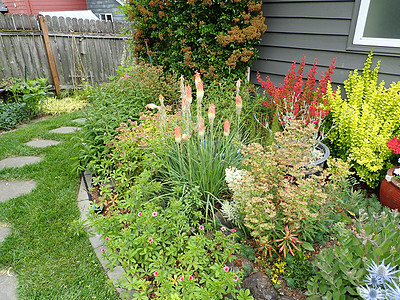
point(302, 100)
point(389, 193)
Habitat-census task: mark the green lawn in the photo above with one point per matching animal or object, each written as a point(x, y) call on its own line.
point(50, 259)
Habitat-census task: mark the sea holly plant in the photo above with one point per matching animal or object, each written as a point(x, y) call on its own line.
point(381, 282)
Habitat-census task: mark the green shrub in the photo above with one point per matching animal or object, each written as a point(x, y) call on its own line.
point(367, 119)
point(31, 92)
point(120, 101)
point(12, 114)
point(340, 270)
point(216, 38)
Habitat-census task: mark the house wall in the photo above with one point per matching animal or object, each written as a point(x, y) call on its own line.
point(35, 6)
point(315, 28)
point(106, 7)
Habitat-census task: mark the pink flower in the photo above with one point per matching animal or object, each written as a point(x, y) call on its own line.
point(233, 230)
point(201, 127)
point(211, 113)
point(223, 228)
point(238, 104)
point(155, 273)
point(226, 128)
point(107, 238)
point(189, 94)
point(154, 154)
point(201, 227)
point(151, 106)
point(226, 269)
point(181, 278)
point(235, 278)
point(139, 214)
point(154, 214)
point(178, 137)
point(191, 277)
point(102, 250)
point(150, 240)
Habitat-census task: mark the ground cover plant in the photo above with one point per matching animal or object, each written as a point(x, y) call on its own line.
point(216, 38)
point(30, 93)
point(50, 260)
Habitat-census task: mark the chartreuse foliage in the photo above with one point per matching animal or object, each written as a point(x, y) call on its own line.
point(368, 117)
point(216, 38)
point(340, 270)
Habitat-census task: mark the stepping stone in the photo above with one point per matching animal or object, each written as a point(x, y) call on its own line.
point(19, 161)
point(8, 285)
point(41, 143)
point(4, 232)
point(81, 120)
point(13, 189)
point(65, 129)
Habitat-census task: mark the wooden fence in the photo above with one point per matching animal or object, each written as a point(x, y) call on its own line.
point(82, 50)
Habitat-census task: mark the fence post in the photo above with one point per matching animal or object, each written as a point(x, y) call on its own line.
point(50, 56)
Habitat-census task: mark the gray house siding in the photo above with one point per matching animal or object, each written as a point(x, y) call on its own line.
point(106, 7)
point(316, 28)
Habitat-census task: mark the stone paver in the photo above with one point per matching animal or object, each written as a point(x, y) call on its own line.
point(8, 285)
point(19, 161)
point(4, 232)
point(41, 143)
point(65, 129)
point(81, 120)
point(13, 189)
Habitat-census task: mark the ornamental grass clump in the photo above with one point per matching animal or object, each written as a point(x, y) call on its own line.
point(277, 199)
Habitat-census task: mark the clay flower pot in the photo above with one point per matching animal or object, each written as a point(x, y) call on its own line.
point(389, 193)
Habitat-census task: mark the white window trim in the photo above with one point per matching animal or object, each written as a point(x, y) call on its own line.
point(360, 25)
point(105, 16)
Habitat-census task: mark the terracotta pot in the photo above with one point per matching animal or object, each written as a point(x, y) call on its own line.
point(389, 193)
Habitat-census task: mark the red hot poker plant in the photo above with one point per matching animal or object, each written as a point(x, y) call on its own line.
point(299, 99)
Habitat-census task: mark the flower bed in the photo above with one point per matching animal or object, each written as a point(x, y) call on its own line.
point(174, 179)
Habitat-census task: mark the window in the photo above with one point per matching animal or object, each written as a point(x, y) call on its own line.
point(106, 17)
point(378, 23)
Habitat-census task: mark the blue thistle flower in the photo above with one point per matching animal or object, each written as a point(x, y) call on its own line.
point(382, 272)
point(394, 292)
point(370, 293)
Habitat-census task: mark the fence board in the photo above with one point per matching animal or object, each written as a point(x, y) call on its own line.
point(82, 48)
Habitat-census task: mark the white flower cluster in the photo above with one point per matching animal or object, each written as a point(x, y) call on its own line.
point(230, 211)
point(233, 178)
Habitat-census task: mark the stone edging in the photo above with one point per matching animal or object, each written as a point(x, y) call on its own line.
point(97, 240)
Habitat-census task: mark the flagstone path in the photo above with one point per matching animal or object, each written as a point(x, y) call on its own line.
point(11, 189)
